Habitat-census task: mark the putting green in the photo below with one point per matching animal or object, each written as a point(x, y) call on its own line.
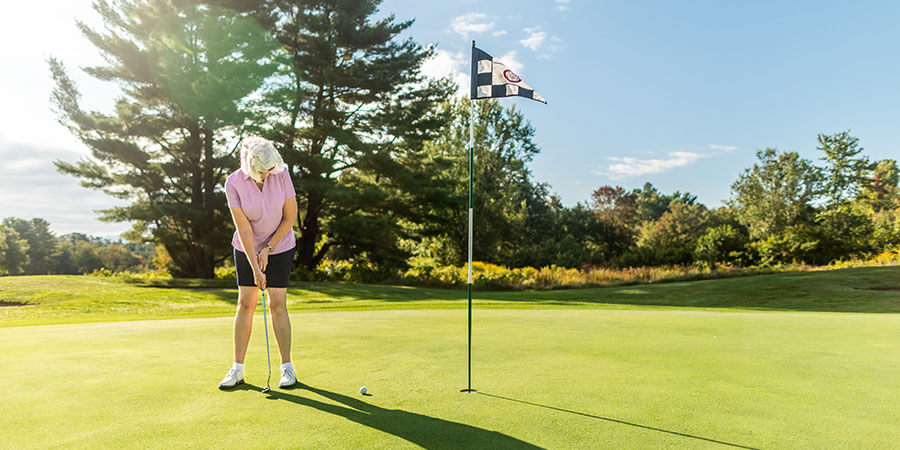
point(557, 378)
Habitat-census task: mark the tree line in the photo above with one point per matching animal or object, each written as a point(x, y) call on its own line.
point(377, 153)
point(28, 247)
point(783, 209)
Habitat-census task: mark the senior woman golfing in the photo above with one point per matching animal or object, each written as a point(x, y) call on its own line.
point(263, 206)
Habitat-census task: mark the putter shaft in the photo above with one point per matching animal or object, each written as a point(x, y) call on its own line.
point(266, 327)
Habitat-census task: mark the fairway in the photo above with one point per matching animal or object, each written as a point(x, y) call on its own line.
point(555, 377)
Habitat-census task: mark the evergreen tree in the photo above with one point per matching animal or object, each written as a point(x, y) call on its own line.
point(42, 244)
point(350, 111)
point(184, 72)
point(650, 204)
point(13, 251)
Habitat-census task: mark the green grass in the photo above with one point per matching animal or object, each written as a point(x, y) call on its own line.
point(70, 299)
point(802, 360)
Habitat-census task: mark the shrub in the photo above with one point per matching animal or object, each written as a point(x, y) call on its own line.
point(131, 275)
point(723, 243)
point(226, 273)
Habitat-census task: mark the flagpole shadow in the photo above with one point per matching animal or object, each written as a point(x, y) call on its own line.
point(617, 421)
point(419, 429)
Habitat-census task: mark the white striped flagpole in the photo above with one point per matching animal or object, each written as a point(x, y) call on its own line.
point(471, 177)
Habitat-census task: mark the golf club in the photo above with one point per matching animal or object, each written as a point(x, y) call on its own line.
point(266, 327)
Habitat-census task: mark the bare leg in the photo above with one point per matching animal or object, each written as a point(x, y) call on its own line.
point(281, 322)
point(243, 321)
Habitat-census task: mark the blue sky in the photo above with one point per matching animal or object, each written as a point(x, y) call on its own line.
point(680, 94)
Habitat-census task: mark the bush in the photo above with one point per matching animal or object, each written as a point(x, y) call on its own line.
point(723, 243)
point(796, 244)
point(672, 238)
point(226, 273)
point(846, 229)
point(493, 277)
point(886, 234)
point(130, 275)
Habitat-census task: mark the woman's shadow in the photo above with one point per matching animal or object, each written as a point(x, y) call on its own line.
point(428, 432)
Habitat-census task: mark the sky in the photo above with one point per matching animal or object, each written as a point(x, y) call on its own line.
point(678, 94)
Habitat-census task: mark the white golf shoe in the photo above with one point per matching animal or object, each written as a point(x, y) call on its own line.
point(232, 379)
point(288, 378)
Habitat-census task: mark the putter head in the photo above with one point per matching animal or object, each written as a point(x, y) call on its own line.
point(265, 389)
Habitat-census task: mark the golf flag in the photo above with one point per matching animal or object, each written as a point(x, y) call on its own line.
point(491, 79)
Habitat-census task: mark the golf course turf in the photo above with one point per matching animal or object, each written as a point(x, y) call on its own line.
point(800, 360)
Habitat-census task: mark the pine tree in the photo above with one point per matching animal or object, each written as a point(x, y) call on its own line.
point(13, 251)
point(42, 244)
point(351, 109)
point(185, 71)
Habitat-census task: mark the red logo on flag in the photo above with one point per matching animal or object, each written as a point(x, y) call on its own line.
point(509, 75)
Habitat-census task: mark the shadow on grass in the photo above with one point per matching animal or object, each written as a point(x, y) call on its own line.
point(616, 421)
point(425, 431)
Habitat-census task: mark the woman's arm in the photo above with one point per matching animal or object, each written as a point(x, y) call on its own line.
point(245, 234)
point(288, 218)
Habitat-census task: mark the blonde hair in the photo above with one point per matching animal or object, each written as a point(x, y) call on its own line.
point(258, 155)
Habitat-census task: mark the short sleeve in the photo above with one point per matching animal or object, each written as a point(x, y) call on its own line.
point(231, 193)
point(289, 191)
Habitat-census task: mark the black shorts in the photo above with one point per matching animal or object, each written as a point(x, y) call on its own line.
point(278, 271)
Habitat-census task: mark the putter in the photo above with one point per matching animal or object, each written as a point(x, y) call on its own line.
point(268, 359)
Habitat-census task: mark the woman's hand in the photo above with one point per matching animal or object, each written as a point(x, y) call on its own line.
point(260, 279)
point(263, 259)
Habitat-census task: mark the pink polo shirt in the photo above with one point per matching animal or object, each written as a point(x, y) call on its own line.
point(264, 208)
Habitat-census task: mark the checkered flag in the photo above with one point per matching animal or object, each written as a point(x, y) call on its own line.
point(492, 79)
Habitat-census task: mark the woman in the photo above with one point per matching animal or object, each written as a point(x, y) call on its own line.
point(263, 206)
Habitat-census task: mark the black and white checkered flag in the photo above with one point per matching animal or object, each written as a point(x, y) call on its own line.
point(492, 79)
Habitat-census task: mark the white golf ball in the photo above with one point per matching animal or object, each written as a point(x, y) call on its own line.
point(362, 390)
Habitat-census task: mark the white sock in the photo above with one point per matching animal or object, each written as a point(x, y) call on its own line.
point(239, 367)
point(286, 365)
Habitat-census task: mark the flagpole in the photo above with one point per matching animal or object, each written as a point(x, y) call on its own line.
point(471, 183)
point(497, 82)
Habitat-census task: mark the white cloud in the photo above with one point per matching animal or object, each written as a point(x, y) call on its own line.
point(512, 61)
point(723, 148)
point(471, 23)
point(499, 33)
point(562, 5)
point(540, 41)
point(31, 187)
point(535, 38)
point(626, 166)
point(447, 64)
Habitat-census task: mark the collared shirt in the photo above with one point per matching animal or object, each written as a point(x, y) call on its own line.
point(263, 207)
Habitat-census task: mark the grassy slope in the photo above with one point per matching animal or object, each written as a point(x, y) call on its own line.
point(66, 299)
